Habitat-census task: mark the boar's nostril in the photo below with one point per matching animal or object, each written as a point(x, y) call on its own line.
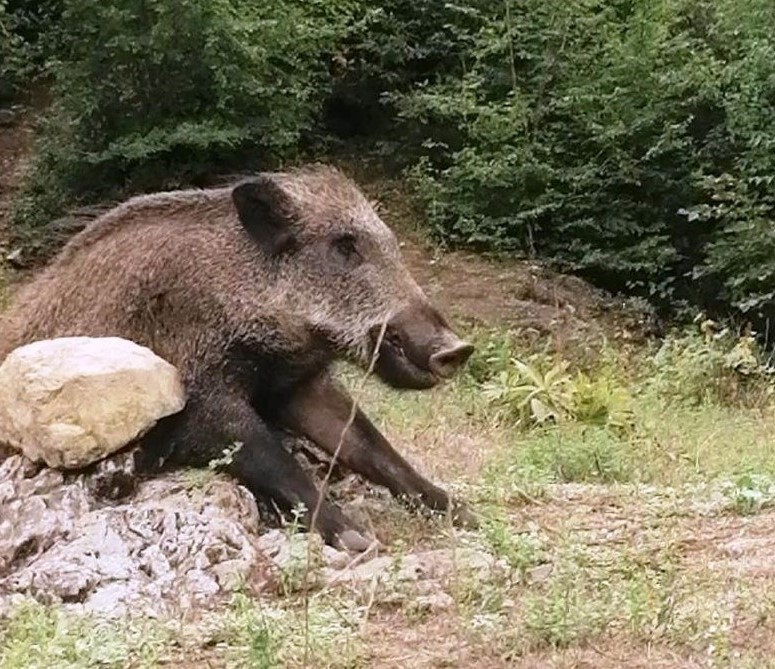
point(445, 363)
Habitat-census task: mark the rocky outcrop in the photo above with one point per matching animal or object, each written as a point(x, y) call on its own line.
point(102, 541)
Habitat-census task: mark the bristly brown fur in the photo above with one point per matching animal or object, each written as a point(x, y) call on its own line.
point(252, 292)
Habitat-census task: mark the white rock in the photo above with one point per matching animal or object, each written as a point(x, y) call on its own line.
point(335, 558)
point(435, 602)
point(291, 550)
point(72, 401)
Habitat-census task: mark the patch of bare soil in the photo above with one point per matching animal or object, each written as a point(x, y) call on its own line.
point(715, 541)
point(434, 644)
point(438, 641)
point(723, 559)
point(619, 655)
point(723, 570)
point(742, 547)
point(15, 144)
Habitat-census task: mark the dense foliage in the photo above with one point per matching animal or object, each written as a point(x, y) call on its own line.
point(630, 141)
point(152, 93)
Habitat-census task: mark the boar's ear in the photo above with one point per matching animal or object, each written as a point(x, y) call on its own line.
point(265, 213)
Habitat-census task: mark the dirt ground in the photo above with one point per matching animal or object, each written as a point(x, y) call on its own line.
point(15, 144)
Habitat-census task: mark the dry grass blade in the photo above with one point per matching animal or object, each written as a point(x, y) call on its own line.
point(324, 485)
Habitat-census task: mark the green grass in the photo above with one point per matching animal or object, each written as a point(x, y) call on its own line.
point(257, 635)
point(41, 637)
point(247, 633)
point(670, 446)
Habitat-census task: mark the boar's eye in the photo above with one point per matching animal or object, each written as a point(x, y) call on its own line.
point(345, 246)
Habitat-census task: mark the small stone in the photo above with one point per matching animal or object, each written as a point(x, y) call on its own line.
point(107, 601)
point(433, 603)
point(274, 544)
point(436, 565)
point(334, 558)
point(15, 258)
point(200, 584)
point(292, 550)
point(230, 574)
point(539, 574)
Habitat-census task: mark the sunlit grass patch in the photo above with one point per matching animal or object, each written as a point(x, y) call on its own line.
point(263, 635)
point(42, 637)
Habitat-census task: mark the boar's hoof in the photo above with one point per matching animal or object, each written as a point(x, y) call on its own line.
point(463, 517)
point(352, 541)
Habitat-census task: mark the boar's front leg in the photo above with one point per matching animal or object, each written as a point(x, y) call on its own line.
point(261, 462)
point(320, 409)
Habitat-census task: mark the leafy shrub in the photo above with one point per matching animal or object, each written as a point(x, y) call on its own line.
point(532, 394)
point(31, 37)
point(599, 135)
point(601, 400)
point(154, 94)
point(13, 64)
point(388, 50)
point(540, 389)
point(492, 355)
point(628, 141)
point(709, 364)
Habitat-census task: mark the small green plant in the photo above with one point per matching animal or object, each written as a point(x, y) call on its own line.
point(521, 550)
point(537, 392)
point(253, 633)
point(302, 563)
point(492, 356)
point(226, 458)
point(566, 613)
point(600, 400)
point(751, 492)
point(710, 363)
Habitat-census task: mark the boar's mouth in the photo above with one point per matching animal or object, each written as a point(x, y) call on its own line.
point(402, 363)
point(394, 366)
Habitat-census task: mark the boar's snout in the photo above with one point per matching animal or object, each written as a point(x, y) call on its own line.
point(445, 363)
point(419, 349)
